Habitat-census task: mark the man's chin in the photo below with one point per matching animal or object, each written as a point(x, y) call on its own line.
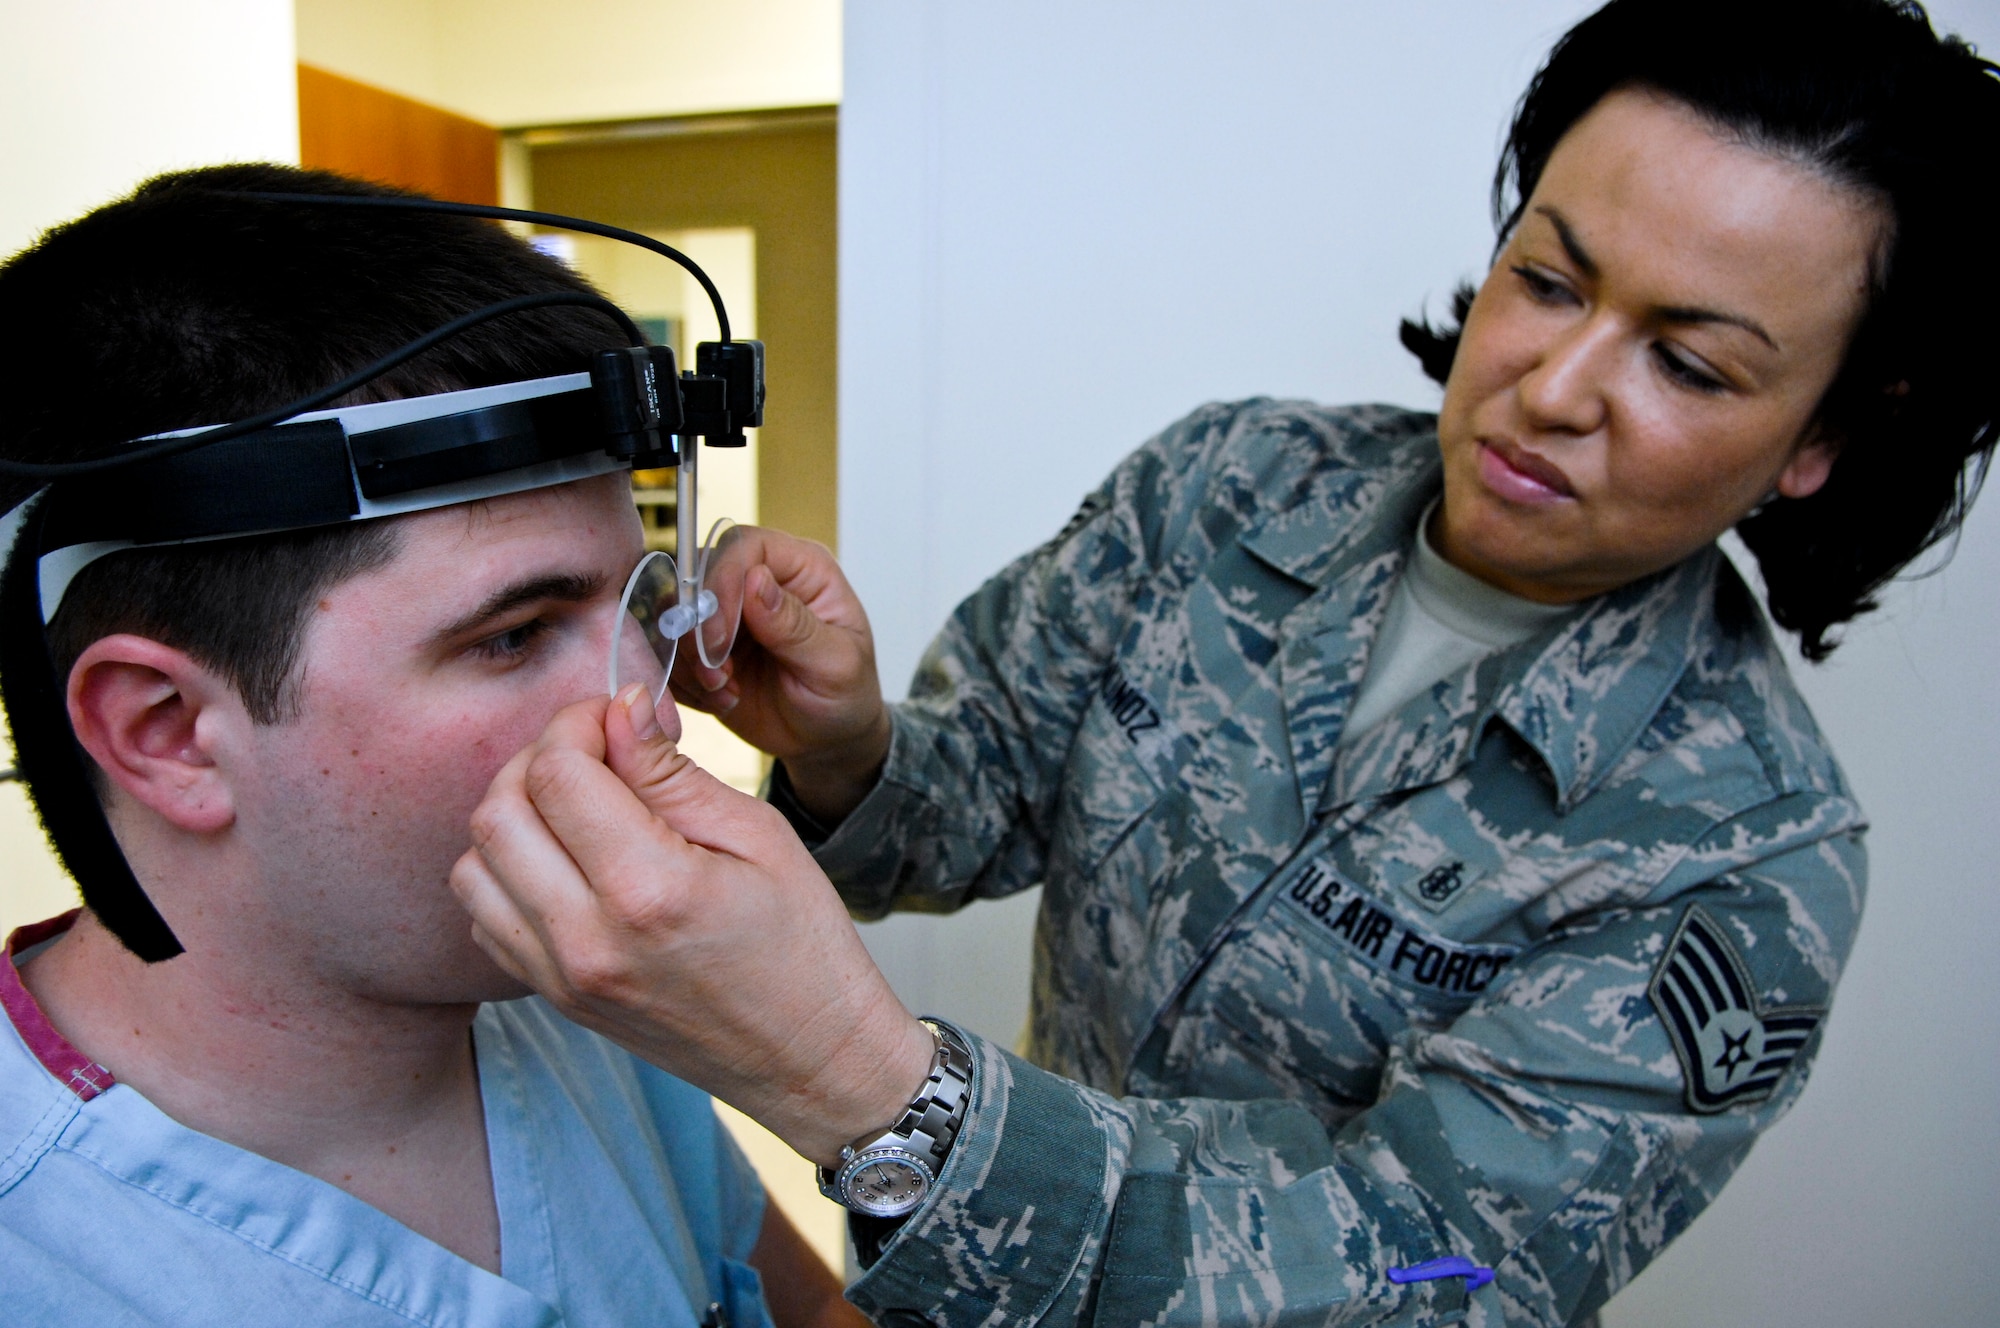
point(481, 981)
point(504, 988)
point(469, 979)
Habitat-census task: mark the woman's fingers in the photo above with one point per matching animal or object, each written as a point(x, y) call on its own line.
point(603, 820)
point(781, 622)
point(642, 809)
point(690, 800)
point(579, 726)
point(636, 746)
point(808, 570)
point(517, 880)
point(801, 679)
point(690, 694)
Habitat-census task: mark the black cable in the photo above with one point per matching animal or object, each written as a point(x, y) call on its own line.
point(221, 433)
point(554, 219)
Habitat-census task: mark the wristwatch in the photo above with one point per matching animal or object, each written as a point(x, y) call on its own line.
point(888, 1174)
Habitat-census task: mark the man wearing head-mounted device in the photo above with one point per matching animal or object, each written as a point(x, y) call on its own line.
point(241, 1082)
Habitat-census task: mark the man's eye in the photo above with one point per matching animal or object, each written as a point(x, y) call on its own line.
point(512, 644)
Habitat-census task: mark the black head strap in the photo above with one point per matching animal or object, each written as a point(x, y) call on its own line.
point(309, 473)
point(64, 799)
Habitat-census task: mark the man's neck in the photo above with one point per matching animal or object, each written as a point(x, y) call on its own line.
point(381, 1100)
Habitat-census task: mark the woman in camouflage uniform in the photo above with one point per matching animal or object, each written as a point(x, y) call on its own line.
point(1445, 883)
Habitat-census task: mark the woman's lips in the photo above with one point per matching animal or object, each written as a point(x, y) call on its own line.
point(1520, 475)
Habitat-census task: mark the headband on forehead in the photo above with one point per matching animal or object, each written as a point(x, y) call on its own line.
point(295, 467)
point(330, 467)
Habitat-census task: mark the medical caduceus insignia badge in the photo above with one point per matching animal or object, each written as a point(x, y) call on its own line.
point(1731, 1048)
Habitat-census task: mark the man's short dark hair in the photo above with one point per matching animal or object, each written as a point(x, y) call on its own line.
point(186, 305)
point(1864, 92)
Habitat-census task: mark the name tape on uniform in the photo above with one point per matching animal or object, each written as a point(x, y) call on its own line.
point(1126, 702)
point(1136, 716)
point(1374, 934)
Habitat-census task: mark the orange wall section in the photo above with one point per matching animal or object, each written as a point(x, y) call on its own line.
point(360, 130)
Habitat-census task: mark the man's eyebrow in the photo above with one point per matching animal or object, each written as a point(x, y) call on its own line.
point(1673, 313)
point(562, 587)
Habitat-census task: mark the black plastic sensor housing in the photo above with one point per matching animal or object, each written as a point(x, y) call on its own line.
point(739, 367)
point(639, 403)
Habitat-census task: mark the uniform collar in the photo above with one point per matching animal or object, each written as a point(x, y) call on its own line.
point(1339, 520)
point(1579, 692)
point(1599, 677)
point(1344, 531)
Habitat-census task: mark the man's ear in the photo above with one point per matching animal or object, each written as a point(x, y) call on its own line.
point(150, 717)
point(1811, 463)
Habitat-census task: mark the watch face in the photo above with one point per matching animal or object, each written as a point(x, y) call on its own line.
point(885, 1184)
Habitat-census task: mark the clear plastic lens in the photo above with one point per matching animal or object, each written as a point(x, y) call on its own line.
point(718, 577)
point(664, 606)
point(644, 648)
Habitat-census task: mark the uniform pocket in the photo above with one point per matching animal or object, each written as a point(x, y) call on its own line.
point(1317, 984)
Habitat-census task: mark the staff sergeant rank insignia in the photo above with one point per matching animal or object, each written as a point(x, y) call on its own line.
point(1731, 1048)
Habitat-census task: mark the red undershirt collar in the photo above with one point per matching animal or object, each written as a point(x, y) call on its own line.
point(74, 1070)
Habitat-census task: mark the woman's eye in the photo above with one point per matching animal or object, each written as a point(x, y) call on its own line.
point(1685, 371)
point(512, 644)
point(1541, 288)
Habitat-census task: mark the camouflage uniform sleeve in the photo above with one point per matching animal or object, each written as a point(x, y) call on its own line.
point(1552, 1132)
point(967, 798)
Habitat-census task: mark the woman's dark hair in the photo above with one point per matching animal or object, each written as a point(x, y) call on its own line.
point(186, 304)
point(1864, 92)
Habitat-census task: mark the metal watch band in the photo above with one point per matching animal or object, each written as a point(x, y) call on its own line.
point(928, 1127)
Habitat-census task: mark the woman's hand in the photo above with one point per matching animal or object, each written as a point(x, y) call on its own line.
point(801, 682)
point(684, 920)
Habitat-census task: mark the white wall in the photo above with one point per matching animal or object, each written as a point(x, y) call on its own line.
point(96, 96)
point(1064, 225)
point(532, 62)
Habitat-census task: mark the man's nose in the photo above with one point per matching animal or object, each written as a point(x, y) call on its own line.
point(1567, 389)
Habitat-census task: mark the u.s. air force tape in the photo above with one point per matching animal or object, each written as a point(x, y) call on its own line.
point(1407, 955)
point(1731, 1048)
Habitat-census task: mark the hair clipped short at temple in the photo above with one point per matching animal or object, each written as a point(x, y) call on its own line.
point(1864, 92)
point(186, 304)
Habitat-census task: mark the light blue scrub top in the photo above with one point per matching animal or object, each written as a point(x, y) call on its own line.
point(622, 1201)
